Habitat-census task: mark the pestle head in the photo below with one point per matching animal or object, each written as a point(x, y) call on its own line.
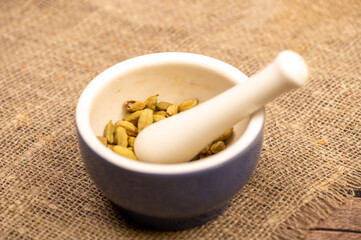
point(293, 67)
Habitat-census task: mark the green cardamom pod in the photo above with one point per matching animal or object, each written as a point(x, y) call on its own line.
point(131, 141)
point(109, 132)
point(187, 105)
point(225, 135)
point(206, 150)
point(161, 113)
point(133, 117)
point(157, 118)
point(162, 106)
point(172, 109)
point(121, 137)
point(126, 115)
point(145, 119)
point(130, 128)
point(103, 140)
point(218, 146)
point(133, 106)
point(203, 156)
point(151, 102)
point(126, 152)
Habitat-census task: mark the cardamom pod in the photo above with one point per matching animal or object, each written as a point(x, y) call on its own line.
point(187, 105)
point(131, 141)
point(162, 106)
point(121, 137)
point(151, 102)
point(133, 106)
point(103, 140)
point(172, 109)
point(130, 128)
point(218, 146)
point(109, 132)
point(206, 150)
point(162, 113)
point(145, 119)
point(157, 118)
point(203, 156)
point(126, 152)
point(225, 135)
point(133, 117)
point(126, 115)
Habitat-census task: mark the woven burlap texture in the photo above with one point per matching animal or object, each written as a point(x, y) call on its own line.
point(50, 50)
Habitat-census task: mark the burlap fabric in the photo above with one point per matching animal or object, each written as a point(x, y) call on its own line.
point(50, 50)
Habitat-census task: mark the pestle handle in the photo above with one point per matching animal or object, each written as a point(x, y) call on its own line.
point(181, 137)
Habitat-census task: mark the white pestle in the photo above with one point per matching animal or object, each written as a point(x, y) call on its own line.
point(181, 137)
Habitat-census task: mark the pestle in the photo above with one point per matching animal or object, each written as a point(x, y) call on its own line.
point(181, 137)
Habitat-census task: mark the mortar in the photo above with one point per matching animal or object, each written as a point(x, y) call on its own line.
point(166, 196)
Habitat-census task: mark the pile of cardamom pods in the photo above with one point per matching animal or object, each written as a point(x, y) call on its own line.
point(121, 135)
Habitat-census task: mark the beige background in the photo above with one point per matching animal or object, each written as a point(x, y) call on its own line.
point(50, 50)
